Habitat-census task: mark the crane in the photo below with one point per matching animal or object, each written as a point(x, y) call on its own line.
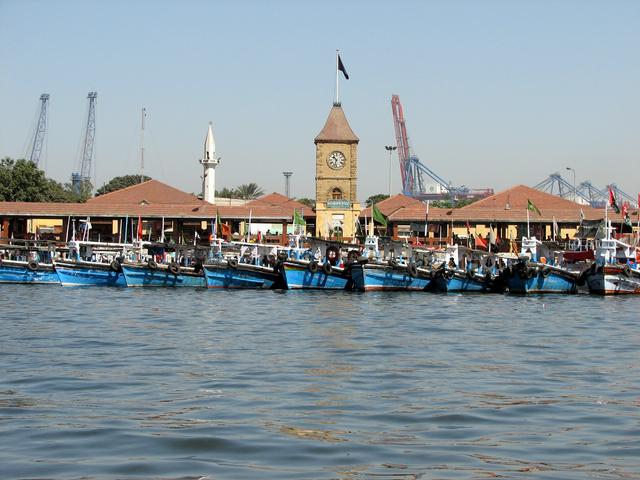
point(585, 193)
point(82, 178)
point(35, 147)
point(412, 170)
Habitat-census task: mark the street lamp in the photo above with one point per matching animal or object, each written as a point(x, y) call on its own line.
point(390, 149)
point(574, 183)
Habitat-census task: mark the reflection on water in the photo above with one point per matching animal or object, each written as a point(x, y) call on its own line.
point(101, 383)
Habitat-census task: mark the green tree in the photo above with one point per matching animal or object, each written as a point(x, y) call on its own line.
point(307, 201)
point(377, 198)
point(249, 191)
point(226, 193)
point(457, 203)
point(118, 183)
point(22, 181)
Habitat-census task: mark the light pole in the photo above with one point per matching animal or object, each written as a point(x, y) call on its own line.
point(574, 183)
point(286, 182)
point(390, 149)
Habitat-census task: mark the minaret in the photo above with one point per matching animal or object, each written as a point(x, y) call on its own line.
point(209, 163)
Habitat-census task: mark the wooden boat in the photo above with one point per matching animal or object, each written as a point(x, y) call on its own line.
point(92, 264)
point(27, 261)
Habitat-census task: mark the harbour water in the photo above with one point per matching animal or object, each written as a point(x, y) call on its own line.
point(103, 383)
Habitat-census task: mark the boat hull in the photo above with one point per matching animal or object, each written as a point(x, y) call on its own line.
point(89, 274)
point(378, 277)
point(144, 276)
point(459, 281)
point(12, 271)
point(240, 276)
point(545, 280)
point(298, 276)
point(613, 280)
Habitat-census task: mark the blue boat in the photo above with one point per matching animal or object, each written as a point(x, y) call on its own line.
point(82, 273)
point(229, 273)
point(532, 277)
point(15, 271)
point(310, 274)
point(457, 280)
point(377, 275)
point(151, 274)
point(27, 261)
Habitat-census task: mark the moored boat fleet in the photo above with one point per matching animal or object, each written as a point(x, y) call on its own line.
point(604, 266)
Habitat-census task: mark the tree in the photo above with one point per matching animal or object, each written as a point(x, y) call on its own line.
point(456, 203)
point(22, 181)
point(226, 193)
point(377, 198)
point(249, 191)
point(307, 201)
point(118, 183)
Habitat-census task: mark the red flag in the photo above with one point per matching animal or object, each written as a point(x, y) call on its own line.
point(481, 242)
point(468, 228)
point(139, 228)
point(612, 201)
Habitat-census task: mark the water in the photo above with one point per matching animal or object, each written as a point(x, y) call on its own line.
point(179, 384)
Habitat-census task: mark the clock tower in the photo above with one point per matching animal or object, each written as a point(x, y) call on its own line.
point(337, 206)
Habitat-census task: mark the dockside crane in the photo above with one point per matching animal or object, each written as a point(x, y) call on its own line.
point(412, 170)
point(585, 193)
point(82, 178)
point(37, 142)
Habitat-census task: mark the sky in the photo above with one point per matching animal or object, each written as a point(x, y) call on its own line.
point(495, 93)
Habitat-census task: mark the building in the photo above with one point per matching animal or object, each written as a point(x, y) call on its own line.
point(337, 206)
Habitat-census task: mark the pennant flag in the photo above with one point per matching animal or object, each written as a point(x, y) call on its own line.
point(532, 207)
point(556, 229)
point(625, 215)
point(341, 68)
point(492, 235)
point(139, 227)
point(378, 216)
point(581, 216)
point(612, 201)
point(468, 228)
point(298, 219)
point(480, 242)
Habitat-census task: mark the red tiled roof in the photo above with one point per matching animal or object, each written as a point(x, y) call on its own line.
point(336, 128)
point(150, 192)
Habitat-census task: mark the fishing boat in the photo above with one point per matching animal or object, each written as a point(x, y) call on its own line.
point(532, 273)
point(461, 269)
point(27, 261)
point(615, 270)
point(244, 265)
point(373, 272)
point(92, 264)
point(320, 266)
point(165, 265)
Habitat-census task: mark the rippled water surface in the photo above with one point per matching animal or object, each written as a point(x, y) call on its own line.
point(123, 383)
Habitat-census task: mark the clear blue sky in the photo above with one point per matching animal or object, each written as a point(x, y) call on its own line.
point(496, 93)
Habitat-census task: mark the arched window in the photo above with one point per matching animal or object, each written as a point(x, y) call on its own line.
point(336, 194)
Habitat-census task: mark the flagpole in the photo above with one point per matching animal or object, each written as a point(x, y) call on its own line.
point(528, 231)
point(337, 86)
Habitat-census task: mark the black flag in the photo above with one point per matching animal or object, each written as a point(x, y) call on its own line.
point(342, 69)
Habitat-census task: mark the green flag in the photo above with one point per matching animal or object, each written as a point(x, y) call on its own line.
point(378, 216)
point(531, 206)
point(298, 219)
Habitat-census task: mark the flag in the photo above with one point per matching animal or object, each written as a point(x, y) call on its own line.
point(217, 231)
point(341, 68)
point(581, 216)
point(612, 201)
point(492, 235)
point(480, 242)
point(532, 207)
point(468, 228)
point(139, 227)
point(298, 219)
point(378, 216)
point(556, 229)
point(625, 215)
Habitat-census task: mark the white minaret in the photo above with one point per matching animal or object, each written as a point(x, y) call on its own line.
point(209, 162)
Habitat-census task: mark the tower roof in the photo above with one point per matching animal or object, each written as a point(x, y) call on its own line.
point(336, 128)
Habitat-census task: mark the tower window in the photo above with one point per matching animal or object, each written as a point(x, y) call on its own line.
point(336, 194)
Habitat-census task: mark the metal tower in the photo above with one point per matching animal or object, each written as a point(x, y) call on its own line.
point(35, 148)
point(83, 177)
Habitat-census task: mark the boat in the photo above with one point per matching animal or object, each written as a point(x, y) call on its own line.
point(373, 272)
point(92, 264)
point(460, 269)
point(244, 265)
point(533, 273)
point(27, 261)
point(165, 265)
point(321, 266)
point(615, 269)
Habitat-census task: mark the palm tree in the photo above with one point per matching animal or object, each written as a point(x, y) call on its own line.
point(249, 191)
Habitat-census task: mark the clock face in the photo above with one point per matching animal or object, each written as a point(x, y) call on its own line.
point(336, 160)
